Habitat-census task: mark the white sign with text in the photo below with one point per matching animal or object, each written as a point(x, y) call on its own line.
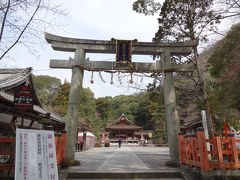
point(35, 155)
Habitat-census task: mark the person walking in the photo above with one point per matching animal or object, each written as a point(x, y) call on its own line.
point(119, 143)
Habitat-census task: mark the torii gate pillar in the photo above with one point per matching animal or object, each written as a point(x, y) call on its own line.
point(171, 112)
point(72, 119)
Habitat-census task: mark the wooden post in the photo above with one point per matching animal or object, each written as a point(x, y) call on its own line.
point(181, 147)
point(204, 162)
point(63, 145)
point(72, 119)
point(219, 152)
point(172, 117)
point(193, 145)
point(234, 151)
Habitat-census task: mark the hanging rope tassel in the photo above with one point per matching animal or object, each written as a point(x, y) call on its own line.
point(100, 75)
point(92, 81)
point(131, 80)
point(111, 78)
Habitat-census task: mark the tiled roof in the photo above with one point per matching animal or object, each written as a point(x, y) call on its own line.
point(10, 78)
point(36, 108)
point(123, 123)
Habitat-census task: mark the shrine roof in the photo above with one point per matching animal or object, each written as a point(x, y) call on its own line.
point(122, 123)
point(12, 78)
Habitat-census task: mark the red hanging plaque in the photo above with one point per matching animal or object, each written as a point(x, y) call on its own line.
point(23, 98)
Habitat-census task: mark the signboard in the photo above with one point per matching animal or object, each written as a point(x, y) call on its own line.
point(204, 122)
point(150, 135)
point(23, 98)
point(205, 127)
point(123, 53)
point(35, 155)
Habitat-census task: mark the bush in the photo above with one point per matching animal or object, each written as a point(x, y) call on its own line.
point(97, 144)
point(107, 144)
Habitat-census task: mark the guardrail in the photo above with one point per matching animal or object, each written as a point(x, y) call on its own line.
point(7, 151)
point(218, 152)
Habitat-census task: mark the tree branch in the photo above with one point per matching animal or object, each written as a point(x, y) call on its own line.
point(24, 29)
point(4, 19)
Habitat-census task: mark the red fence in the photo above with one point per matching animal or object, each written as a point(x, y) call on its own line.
point(7, 149)
point(209, 154)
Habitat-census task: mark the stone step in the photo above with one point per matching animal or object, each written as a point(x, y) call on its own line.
point(136, 179)
point(125, 175)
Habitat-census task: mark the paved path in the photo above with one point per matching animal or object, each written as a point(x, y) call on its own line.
point(124, 159)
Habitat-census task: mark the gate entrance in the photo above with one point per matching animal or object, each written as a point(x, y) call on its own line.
point(79, 63)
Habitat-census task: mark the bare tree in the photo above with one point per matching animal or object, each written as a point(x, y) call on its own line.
point(23, 21)
point(228, 8)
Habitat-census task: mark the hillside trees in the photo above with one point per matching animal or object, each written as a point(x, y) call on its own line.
point(157, 112)
point(224, 87)
point(146, 109)
point(185, 20)
point(182, 20)
point(47, 88)
point(60, 104)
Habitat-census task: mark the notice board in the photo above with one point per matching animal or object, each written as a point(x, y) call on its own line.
point(35, 155)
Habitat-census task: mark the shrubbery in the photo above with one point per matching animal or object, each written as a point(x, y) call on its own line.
point(107, 144)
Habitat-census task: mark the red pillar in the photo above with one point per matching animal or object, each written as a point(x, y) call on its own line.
point(204, 162)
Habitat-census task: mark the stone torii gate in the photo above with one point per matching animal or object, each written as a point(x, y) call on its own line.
point(79, 63)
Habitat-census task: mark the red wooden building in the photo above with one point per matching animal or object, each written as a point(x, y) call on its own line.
point(20, 108)
point(125, 130)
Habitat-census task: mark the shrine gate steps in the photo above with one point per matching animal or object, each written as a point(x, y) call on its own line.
point(129, 175)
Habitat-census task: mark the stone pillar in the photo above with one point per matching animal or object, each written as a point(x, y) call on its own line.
point(72, 119)
point(171, 112)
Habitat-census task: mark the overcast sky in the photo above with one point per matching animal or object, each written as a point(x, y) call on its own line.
point(91, 19)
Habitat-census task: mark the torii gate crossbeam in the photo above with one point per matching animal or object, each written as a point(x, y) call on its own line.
point(79, 64)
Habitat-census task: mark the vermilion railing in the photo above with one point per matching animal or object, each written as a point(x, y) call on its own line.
point(8, 149)
point(209, 154)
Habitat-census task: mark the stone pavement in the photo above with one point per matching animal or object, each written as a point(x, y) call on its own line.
point(127, 159)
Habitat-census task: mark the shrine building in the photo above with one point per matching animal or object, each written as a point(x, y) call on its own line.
point(125, 130)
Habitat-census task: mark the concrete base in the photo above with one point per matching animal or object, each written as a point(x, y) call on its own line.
point(124, 175)
point(171, 163)
point(67, 164)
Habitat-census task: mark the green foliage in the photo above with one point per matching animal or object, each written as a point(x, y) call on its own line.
point(156, 107)
point(103, 107)
point(224, 89)
point(144, 109)
point(185, 20)
point(222, 55)
point(147, 7)
point(61, 101)
point(46, 88)
point(124, 105)
point(87, 103)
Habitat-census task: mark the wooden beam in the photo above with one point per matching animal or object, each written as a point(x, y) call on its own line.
point(138, 67)
point(101, 46)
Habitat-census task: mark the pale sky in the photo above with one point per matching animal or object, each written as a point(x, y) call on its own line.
point(91, 19)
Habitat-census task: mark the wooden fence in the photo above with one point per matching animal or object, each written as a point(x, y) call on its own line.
point(218, 152)
point(7, 150)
